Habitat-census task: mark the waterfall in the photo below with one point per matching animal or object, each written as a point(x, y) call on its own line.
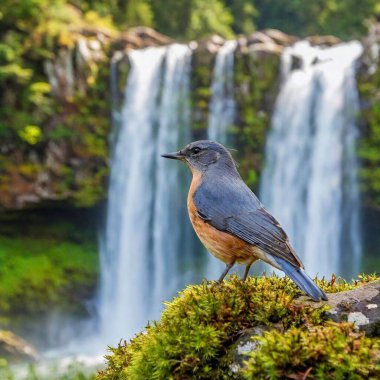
point(221, 116)
point(309, 181)
point(140, 261)
point(222, 104)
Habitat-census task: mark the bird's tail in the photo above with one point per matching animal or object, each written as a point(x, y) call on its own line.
point(299, 276)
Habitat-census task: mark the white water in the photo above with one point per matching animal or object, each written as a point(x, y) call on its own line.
point(222, 104)
point(310, 178)
point(221, 117)
point(145, 220)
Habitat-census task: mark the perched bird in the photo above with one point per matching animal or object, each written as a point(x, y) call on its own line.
point(230, 220)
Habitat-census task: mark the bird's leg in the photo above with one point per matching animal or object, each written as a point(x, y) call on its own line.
point(226, 270)
point(247, 268)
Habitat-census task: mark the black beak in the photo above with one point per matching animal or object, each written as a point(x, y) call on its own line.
point(173, 156)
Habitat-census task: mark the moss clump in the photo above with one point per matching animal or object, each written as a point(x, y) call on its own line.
point(198, 328)
point(331, 351)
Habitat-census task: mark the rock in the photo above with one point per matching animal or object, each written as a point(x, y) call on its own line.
point(15, 349)
point(60, 73)
point(324, 40)
point(360, 306)
point(279, 37)
point(126, 40)
point(245, 344)
point(211, 44)
point(270, 48)
point(259, 37)
point(149, 36)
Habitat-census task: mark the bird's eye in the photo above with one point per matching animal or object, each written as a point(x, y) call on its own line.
point(195, 150)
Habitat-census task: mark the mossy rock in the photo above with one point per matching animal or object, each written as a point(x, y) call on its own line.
point(198, 329)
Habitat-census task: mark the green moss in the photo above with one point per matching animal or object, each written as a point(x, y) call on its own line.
point(198, 328)
point(331, 351)
point(46, 263)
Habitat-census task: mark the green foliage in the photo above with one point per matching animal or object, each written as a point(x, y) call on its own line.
point(331, 351)
point(31, 134)
point(139, 13)
point(209, 17)
point(196, 330)
point(244, 14)
point(46, 263)
point(343, 18)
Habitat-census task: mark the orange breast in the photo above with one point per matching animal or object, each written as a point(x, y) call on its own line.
point(222, 245)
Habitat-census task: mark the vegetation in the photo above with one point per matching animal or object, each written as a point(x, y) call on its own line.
point(196, 18)
point(54, 133)
point(332, 351)
point(46, 264)
point(197, 330)
point(36, 118)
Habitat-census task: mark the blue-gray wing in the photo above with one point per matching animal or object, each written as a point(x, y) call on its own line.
point(230, 206)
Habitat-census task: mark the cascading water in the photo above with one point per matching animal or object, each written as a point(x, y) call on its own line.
point(222, 104)
point(310, 179)
point(170, 214)
point(145, 221)
point(221, 115)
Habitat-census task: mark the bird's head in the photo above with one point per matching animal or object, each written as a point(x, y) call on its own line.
point(204, 154)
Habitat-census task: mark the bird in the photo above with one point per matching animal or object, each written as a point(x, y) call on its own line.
point(230, 220)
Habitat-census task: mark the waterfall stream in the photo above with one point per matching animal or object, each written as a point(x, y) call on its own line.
point(149, 250)
point(146, 219)
point(310, 179)
point(222, 104)
point(221, 116)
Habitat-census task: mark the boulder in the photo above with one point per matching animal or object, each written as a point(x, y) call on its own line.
point(269, 48)
point(324, 40)
point(149, 36)
point(211, 44)
point(259, 37)
point(280, 37)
